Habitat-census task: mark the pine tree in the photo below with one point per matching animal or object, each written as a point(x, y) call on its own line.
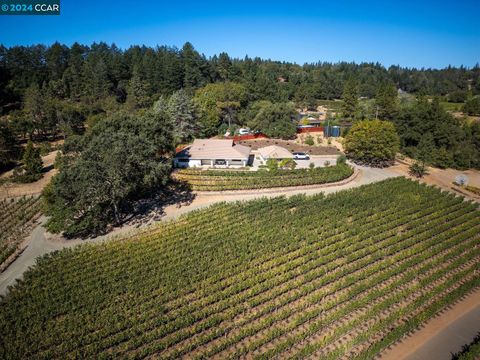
point(137, 94)
point(192, 67)
point(32, 163)
point(224, 67)
point(181, 109)
point(386, 105)
point(350, 98)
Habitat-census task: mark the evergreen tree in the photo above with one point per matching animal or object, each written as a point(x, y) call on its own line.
point(193, 64)
point(224, 67)
point(350, 98)
point(426, 149)
point(386, 104)
point(8, 145)
point(32, 164)
point(137, 94)
point(183, 113)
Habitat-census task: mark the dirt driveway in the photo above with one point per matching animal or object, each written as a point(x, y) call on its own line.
point(443, 178)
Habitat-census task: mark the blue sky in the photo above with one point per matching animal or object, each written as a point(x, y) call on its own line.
point(410, 33)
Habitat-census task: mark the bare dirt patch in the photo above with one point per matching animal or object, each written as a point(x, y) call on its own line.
point(11, 189)
point(291, 146)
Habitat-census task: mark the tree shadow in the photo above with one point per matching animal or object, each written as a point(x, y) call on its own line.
point(46, 169)
point(152, 208)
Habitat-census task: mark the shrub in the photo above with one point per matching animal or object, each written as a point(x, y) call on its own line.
point(288, 164)
point(342, 159)
point(45, 148)
point(418, 169)
point(309, 140)
point(372, 142)
point(272, 165)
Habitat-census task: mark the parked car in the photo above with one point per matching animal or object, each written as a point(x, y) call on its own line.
point(300, 156)
point(244, 131)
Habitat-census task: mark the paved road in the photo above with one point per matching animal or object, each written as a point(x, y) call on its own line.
point(39, 245)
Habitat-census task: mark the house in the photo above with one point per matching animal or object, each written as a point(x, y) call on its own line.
point(213, 152)
point(273, 152)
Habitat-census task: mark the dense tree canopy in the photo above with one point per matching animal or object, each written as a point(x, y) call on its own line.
point(275, 120)
point(218, 103)
point(372, 142)
point(122, 158)
point(426, 124)
point(472, 106)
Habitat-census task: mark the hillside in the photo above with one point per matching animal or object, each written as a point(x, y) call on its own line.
point(344, 274)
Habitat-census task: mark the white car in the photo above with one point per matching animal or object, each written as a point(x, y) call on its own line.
point(244, 131)
point(300, 156)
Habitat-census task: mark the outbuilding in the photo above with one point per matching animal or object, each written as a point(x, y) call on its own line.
point(273, 152)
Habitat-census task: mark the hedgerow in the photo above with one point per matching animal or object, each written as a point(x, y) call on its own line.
point(217, 180)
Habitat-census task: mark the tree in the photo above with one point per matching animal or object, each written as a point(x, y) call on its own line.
point(458, 96)
point(32, 165)
point(9, 149)
point(224, 67)
point(182, 110)
point(219, 103)
point(350, 98)
point(193, 67)
point(122, 158)
point(417, 169)
point(386, 101)
point(372, 142)
point(137, 93)
point(275, 120)
point(472, 106)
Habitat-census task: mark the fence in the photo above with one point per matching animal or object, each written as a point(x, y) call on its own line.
point(309, 129)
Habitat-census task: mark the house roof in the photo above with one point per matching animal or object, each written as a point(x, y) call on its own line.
point(205, 149)
point(275, 152)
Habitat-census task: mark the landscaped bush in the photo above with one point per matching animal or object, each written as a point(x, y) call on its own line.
point(216, 180)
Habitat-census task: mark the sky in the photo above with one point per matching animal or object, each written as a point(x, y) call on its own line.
point(430, 34)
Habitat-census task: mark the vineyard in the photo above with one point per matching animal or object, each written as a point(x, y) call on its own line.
point(218, 180)
point(337, 276)
point(16, 218)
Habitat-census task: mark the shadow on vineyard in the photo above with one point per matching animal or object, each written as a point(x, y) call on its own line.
point(323, 276)
point(151, 208)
